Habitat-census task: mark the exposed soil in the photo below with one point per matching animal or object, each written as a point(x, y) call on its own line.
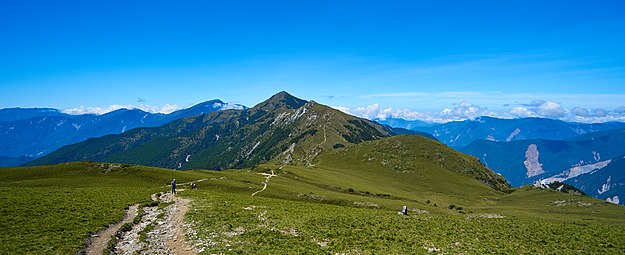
point(160, 231)
point(267, 177)
point(100, 240)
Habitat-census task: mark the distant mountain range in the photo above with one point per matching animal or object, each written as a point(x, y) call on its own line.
point(462, 133)
point(27, 133)
point(405, 124)
point(283, 128)
point(287, 130)
point(589, 159)
point(534, 150)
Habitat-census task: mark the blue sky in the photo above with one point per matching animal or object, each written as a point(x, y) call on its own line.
point(441, 60)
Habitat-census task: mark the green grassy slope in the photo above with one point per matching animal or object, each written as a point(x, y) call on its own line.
point(53, 209)
point(283, 127)
point(345, 202)
point(323, 215)
point(235, 223)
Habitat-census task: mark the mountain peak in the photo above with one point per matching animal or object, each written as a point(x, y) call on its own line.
point(281, 100)
point(215, 103)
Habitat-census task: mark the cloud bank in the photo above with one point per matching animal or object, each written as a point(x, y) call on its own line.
point(463, 110)
point(468, 111)
point(165, 109)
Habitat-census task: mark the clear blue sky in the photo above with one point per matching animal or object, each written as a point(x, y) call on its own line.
point(419, 55)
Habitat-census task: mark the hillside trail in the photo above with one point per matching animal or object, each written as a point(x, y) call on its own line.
point(100, 240)
point(266, 182)
point(161, 229)
point(325, 127)
point(176, 218)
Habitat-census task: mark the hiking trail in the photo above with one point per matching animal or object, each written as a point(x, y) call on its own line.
point(99, 241)
point(267, 177)
point(160, 230)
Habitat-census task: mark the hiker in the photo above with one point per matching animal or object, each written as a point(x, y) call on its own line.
point(404, 210)
point(173, 186)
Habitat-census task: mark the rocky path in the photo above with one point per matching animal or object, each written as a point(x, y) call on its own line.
point(267, 177)
point(161, 229)
point(176, 219)
point(99, 241)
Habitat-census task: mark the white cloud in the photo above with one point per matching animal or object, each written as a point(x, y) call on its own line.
point(579, 111)
point(460, 111)
point(166, 108)
point(541, 108)
point(555, 110)
point(551, 110)
point(580, 114)
point(228, 106)
point(522, 112)
point(370, 112)
point(463, 110)
point(466, 110)
point(600, 112)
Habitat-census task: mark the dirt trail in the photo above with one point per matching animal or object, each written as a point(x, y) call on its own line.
point(161, 229)
point(100, 241)
point(267, 177)
point(325, 133)
point(178, 244)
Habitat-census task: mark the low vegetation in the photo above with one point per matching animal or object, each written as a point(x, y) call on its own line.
point(230, 223)
point(343, 203)
point(54, 209)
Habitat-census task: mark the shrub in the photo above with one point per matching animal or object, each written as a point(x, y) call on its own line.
point(126, 227)
point(338, 145)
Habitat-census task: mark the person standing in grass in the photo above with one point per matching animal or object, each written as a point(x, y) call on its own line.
point(173, 186)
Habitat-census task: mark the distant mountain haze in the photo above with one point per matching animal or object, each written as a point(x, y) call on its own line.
point(589, 159)
point(462, 133)
point(534, 150)
point(34, 132)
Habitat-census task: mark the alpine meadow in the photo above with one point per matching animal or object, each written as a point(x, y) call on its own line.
point(312, 127)
point(323, 182)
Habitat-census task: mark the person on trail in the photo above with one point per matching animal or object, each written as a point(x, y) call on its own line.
point(173, 186)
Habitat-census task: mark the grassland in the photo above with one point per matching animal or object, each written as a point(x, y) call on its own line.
point(301, 217)
point(54, 209)
point(235, 224)
point(347, 202)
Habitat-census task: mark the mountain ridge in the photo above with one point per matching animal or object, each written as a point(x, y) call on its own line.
point(34, 132)
point(576, 161)
point(462, 133)
point(282, 128)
